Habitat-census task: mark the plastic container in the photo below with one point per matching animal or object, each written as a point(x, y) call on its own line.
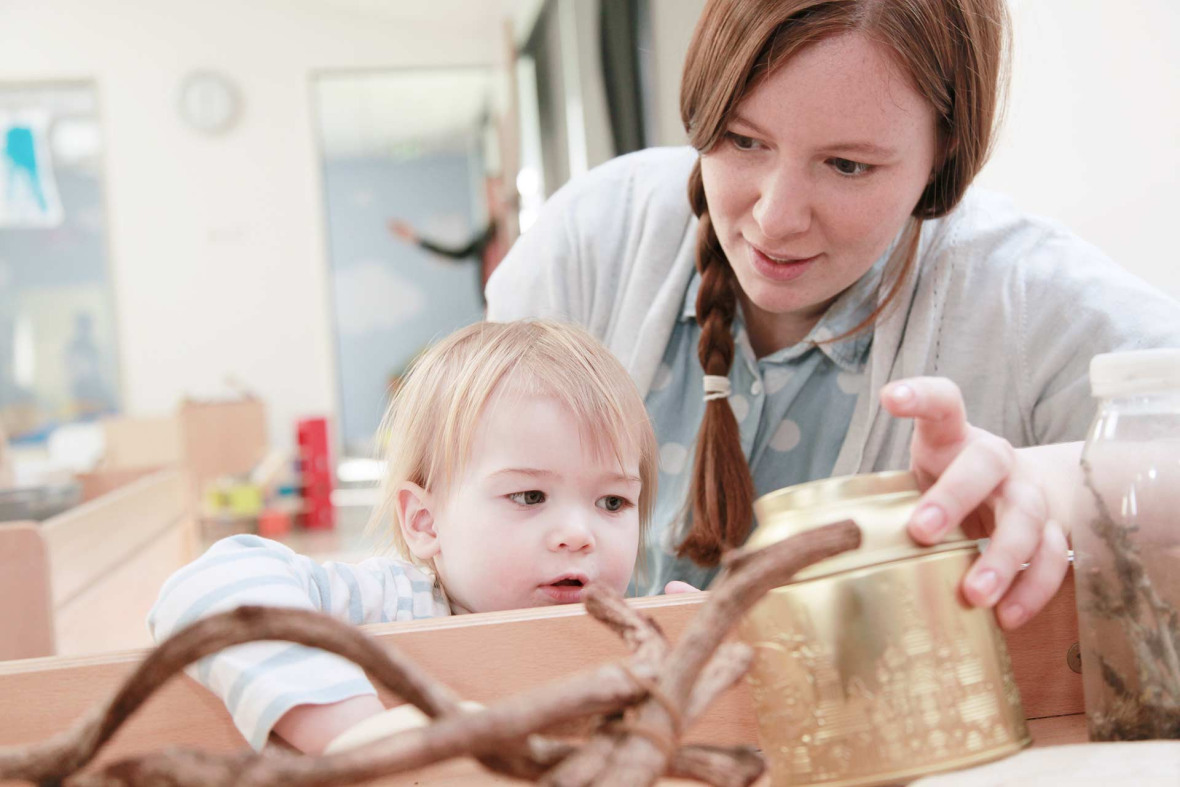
point(870, 668)
point(1126, 540)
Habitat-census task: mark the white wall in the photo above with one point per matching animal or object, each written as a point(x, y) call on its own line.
point(217, 243)
point(1092, 135)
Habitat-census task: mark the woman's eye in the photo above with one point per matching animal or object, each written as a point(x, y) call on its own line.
point(612, 503)
point(848, 167)
point(530, 498)
point(741, 142)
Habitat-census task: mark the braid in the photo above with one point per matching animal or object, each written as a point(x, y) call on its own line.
point(722, 493)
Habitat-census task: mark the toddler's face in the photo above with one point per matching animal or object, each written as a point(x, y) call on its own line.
point(537, 514)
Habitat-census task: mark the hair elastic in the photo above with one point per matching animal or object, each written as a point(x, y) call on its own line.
point(716, 387)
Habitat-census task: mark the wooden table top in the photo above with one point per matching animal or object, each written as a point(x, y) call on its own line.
point(466, 772)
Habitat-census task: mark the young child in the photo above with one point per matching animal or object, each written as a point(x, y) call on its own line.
point(521, 467)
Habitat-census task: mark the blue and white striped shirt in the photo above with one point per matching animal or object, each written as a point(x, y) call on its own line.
point(261, 681)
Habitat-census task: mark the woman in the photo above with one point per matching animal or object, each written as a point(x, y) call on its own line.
point(829, 249)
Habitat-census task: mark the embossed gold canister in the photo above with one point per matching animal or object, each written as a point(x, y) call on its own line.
point(870, 668)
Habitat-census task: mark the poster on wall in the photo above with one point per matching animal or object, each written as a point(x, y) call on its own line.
point(28, 191)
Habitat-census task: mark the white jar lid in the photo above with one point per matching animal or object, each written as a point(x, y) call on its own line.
point(1134, 372)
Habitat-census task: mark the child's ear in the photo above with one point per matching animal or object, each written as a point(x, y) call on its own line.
point(415, 515)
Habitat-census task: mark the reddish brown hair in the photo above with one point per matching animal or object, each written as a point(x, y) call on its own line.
point(953, 51)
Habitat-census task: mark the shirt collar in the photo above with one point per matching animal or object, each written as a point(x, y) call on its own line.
point(849, 309)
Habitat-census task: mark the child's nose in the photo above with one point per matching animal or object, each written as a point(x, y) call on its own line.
point(571, 532)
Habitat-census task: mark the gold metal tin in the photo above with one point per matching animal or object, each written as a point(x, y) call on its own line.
point(869, 668)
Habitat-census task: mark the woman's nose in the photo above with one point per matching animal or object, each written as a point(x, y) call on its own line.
point(783, 208)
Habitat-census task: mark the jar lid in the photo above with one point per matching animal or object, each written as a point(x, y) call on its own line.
point(880, 503)
point(1134, 372)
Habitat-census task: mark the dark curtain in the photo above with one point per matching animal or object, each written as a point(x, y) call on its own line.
point(543, 46)
point(619, 41)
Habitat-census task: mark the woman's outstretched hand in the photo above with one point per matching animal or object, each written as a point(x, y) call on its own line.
point(402, 229)
point(976, 478)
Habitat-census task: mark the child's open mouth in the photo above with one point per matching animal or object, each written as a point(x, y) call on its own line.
point(565, 590)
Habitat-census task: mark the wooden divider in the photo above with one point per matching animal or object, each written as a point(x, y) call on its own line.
point(1040, 651)
point(26, 604)
point(103, 562)
point(484, 657)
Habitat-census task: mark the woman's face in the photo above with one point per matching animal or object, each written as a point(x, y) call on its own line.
point(813, 178)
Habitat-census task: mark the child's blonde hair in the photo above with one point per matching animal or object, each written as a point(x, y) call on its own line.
point(432, 420)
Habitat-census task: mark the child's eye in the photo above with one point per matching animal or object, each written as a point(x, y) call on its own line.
point(612, 503)
point(741, 142)
point(532, 497)
point(849, 168)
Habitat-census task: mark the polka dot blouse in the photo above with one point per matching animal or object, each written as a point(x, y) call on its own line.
point(793, 408)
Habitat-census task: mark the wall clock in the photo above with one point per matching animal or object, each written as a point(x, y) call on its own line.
point(209, 102)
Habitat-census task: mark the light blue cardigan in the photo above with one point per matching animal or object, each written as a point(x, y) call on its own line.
point(1009, 306)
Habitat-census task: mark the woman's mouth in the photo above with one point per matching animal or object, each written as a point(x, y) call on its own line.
point(779, 268)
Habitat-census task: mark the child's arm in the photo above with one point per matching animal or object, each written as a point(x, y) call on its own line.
point(261, 682)
point(310, 728)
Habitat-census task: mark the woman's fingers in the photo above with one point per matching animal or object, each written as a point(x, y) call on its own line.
point(972, 475)
point(1021, 515)
point(1038, 583)
point(936, 405)
point(676, 586)
point(969, 481)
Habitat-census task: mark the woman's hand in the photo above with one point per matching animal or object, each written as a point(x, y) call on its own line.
point(403, 230)
point(973, 477)
point(676, 586)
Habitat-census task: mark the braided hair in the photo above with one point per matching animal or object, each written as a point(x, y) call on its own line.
point(722, 493)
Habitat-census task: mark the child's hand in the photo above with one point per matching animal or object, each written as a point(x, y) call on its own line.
point(310, 728)
point(676, 586)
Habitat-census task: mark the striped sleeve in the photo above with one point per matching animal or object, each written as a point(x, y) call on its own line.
point(261, 681)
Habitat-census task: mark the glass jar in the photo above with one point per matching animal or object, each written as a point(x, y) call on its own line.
point(1126, 541)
